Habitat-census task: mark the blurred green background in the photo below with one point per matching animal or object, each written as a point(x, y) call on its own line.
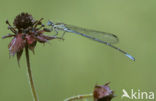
point(66, 68)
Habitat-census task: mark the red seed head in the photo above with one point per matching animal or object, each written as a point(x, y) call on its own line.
point(27, 32)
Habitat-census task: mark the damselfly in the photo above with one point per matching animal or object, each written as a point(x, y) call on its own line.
point(102, 37)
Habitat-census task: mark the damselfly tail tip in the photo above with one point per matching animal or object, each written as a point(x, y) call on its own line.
point(131, 57)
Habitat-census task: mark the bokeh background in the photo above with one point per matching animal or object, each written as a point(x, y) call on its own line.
point(66, 68)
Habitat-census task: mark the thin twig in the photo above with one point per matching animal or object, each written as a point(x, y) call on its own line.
point(79, 97)
point(30, 74)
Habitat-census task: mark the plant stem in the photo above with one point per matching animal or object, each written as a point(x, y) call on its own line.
point(79, 97)
point(30, 74)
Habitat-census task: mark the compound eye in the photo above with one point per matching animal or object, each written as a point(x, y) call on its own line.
point(50, 23)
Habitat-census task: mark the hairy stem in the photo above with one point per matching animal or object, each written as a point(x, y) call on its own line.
point(30, 74)
point(79, 97)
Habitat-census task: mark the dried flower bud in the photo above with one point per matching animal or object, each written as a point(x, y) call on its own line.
point(103, 93)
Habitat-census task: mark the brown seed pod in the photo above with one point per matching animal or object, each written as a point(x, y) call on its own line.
point(103, 93)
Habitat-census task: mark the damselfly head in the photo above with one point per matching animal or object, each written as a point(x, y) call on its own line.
point(50, 23)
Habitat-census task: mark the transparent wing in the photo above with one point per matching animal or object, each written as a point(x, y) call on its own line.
point(103, 36)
